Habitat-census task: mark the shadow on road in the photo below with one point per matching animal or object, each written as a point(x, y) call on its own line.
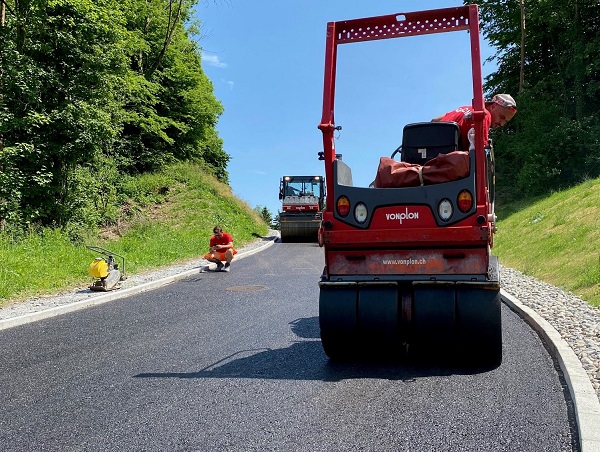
point(305, 360)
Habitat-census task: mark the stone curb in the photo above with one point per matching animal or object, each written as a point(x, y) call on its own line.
point(104, 297)
point(585, 399)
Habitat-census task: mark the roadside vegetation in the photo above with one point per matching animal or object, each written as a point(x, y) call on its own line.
point(168, 218)
point(555, 239)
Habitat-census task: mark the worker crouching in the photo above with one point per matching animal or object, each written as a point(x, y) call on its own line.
point(221, 249)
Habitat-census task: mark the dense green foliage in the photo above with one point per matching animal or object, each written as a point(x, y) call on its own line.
point(172, 215)
point(554, 140)
point(92, 91)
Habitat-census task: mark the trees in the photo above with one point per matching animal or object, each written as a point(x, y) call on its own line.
point(265, 214)
point(554, 140)
point(61, 62)
point(171, 110)
point(90, 85)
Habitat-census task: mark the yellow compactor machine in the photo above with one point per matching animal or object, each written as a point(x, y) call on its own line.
point(106, 270)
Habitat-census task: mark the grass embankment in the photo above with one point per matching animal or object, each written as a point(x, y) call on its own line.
point(555, 239)
point(155, 235)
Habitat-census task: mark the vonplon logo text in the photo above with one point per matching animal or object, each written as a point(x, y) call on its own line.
point(406, 215)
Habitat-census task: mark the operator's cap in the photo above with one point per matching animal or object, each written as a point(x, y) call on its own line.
point(505, 100)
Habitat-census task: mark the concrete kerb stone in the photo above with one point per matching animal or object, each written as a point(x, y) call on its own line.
point(585, 399)
point(104, 297)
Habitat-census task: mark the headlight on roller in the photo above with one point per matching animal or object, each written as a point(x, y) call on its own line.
point(445, 209)
point(360, 213)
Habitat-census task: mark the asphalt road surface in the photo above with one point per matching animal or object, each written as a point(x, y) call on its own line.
point(233, 362)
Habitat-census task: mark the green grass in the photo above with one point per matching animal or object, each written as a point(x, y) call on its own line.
point(174, 231)
point(555, 239)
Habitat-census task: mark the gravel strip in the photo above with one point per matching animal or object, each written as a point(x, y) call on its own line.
point(577, 322)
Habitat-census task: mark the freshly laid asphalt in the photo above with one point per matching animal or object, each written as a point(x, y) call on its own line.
point(296, 364)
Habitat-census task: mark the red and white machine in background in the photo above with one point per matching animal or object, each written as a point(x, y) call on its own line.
point(302, 201)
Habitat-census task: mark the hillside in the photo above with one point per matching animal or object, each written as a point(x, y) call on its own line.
point(555, 239)
point(149, 234)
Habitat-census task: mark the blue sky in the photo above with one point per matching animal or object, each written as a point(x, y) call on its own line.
point(266, 61)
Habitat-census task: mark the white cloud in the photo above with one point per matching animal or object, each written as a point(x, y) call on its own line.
point(212, 60)
point(228, 83)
